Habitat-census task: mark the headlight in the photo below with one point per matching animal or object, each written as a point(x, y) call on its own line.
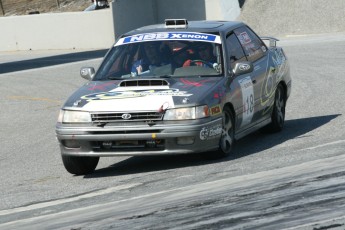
point(69, 116)
point(187, 113)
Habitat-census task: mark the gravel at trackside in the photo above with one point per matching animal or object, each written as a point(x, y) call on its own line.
point(294, 17)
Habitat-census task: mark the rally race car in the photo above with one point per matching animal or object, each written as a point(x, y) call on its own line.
point(175, 88)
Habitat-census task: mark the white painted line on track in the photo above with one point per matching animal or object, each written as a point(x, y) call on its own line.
point(323, 145)
point(67, 200)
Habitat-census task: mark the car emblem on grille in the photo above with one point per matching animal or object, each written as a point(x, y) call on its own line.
point(126, 116)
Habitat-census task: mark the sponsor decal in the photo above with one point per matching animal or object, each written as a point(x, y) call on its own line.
point(164, 107)
point(248, 99)
point(76, 103)
point(201, 83)
point(210, 132)
point(278, 57)
point(263, 48)
point(273, 76)
point(215, 110)
point(112, 95)
point(220, 94)
point(244, 38)
point(169, 36)
point(185, 100)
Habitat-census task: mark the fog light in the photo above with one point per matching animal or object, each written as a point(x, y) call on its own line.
point(73, 144)
point(185, 140)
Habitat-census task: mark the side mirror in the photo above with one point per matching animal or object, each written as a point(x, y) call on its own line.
point(243, 68)
point(87, 73)
point(272, 42)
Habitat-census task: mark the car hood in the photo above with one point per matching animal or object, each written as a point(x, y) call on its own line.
point(144, 94)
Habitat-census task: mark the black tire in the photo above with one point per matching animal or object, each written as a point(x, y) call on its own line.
point(227, 139)
point(80, 165)
point(278, 113)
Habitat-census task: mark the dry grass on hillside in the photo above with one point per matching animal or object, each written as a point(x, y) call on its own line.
point(24, 7)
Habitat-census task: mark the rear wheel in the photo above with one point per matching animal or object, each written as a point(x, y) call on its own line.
point(80, 165)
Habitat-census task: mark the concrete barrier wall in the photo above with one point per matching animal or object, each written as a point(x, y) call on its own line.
point(131, 14)
point(76, 30)
point(98, 29)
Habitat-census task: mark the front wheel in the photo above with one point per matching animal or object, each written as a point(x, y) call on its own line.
point(80, 165)
point(227, 138)
point(228, 132)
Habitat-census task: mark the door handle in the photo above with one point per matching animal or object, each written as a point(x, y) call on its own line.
point(254, 81)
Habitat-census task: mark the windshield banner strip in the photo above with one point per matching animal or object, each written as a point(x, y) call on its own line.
point(169, 36)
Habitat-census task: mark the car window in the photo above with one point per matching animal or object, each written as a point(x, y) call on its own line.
point(252, 45)
point(173, 58)
point(234, 49)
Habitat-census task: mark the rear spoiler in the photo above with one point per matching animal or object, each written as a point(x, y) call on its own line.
point(272, 41)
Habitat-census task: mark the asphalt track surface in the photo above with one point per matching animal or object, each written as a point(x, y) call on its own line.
point(290, 180)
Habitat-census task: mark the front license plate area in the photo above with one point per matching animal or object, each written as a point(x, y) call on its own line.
point(129, 145)
point(133, 143)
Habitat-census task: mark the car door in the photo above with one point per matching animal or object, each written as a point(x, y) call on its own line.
point(241, 87)
point(254, 110)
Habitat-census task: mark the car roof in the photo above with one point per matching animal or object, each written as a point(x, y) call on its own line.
point(206, 26)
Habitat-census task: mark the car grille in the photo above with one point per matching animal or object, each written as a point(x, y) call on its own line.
point(123, 117)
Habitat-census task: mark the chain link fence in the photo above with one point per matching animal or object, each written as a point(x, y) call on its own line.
point(22, 7)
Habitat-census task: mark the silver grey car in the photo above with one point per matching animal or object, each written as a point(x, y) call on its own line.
point(175, 88)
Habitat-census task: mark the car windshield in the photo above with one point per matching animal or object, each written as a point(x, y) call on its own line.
point(162, 58)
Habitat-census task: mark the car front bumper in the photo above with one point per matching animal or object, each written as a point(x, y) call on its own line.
point(139, 139)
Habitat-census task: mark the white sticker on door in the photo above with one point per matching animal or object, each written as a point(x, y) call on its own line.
point(248, 100)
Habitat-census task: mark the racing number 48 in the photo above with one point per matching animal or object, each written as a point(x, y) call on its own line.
point(249, 107)
point(248, 99)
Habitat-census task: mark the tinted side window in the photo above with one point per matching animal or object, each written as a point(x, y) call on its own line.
point(235, 51)
point(252, 45)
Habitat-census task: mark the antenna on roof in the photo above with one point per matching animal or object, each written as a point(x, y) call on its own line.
point(176, 23)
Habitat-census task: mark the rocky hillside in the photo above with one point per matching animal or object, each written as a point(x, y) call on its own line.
point(294, 17)
point(23, 7)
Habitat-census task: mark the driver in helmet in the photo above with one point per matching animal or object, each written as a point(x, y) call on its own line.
point(205, 56)
point(153, 57)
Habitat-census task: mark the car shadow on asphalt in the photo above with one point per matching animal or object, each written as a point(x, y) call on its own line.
point(251, 144)
point(50, 61)
point(293, 129)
